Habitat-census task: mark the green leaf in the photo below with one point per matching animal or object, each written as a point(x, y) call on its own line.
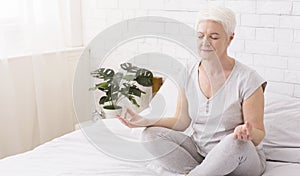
point(117, 85)
point(114, 96)
point(129, 67)
point(117, 78)
point(124, 90)
point(112, 107)
point(129, 77)
point(103, 73)
point(114, 88)
point(144, 77)
point(100, 86)
point(133, 101)
point(134, 90)
point(103, 99)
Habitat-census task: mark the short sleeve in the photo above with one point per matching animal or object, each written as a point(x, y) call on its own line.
point(253, 82)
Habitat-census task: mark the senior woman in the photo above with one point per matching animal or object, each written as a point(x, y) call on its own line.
point(223, 102)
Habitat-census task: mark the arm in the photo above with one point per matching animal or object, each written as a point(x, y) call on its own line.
point(180, 121)
point(253, 113)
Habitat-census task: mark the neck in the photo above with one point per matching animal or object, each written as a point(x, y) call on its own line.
point(217, 66)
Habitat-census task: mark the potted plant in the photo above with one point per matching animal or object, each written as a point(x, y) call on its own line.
point(119, 85)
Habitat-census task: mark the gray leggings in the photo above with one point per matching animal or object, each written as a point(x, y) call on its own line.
point(177, 153)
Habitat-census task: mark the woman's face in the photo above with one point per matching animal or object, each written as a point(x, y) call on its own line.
point(212, 40)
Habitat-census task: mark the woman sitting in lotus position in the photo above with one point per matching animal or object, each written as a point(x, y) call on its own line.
point(222, 100)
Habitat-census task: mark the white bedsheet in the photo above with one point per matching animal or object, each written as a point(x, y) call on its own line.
point(73, 154)
point(282, 169)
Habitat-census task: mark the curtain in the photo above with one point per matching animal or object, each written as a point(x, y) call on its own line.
point(36, 72)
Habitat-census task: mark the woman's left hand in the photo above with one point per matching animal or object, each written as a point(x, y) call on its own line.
point(243, 132)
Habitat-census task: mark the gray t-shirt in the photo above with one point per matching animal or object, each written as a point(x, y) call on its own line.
point(216, 117)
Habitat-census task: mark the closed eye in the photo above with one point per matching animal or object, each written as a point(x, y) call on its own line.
point(214, 38)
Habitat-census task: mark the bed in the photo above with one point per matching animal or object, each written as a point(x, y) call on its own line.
point(78, 153)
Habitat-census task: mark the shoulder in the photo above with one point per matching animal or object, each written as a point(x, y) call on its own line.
point(243, 69)
point(244, 72)
point(248, 80)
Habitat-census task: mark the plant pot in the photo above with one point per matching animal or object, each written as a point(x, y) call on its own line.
point(109, 113)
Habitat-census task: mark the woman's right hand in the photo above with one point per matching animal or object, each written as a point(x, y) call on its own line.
point(134, 121)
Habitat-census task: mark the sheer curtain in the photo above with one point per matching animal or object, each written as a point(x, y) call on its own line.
point(35, 75)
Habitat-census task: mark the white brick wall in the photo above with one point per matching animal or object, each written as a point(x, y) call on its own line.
point(271, 61)
point(297, 36)
point(296, 7)
point(267, 36)
point(261, 47)
point(274, 7)
point(294, 64)
point(288, 21)
point(269, 20)
point(250, 20)
point(284, 35)
point(292, 77)
point(245, 33)
point(247, 6)
point(264, 34)
point(297, 91)
point(289, 49)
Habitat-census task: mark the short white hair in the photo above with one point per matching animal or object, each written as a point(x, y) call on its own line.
point(222, 15)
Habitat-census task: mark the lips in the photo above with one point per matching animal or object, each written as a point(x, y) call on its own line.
point(207, 50)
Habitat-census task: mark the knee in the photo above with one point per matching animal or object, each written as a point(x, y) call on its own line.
point(235, 143)
point(152, 133)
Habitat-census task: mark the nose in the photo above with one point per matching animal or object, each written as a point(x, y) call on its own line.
point(205, 41)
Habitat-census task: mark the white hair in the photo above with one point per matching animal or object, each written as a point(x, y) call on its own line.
point(222, 15)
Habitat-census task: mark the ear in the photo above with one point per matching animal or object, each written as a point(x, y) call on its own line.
point(231, 37)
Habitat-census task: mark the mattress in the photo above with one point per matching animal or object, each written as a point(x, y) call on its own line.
point(282, 169)
point(75, 154)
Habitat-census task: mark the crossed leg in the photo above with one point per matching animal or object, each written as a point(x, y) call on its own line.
point(177, 152)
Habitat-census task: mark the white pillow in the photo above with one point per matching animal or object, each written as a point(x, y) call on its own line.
point(282, 124)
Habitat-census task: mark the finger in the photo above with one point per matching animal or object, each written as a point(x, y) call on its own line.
point(119, 117)
point(241, 132)
point(130, 112)
point(249, 128)
point(245, 130)
point(247, 124)
point(243, 136)
point(124, 113)
point(124, 121)
point(235, 136)
point(240, 137)
point(246, 138)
